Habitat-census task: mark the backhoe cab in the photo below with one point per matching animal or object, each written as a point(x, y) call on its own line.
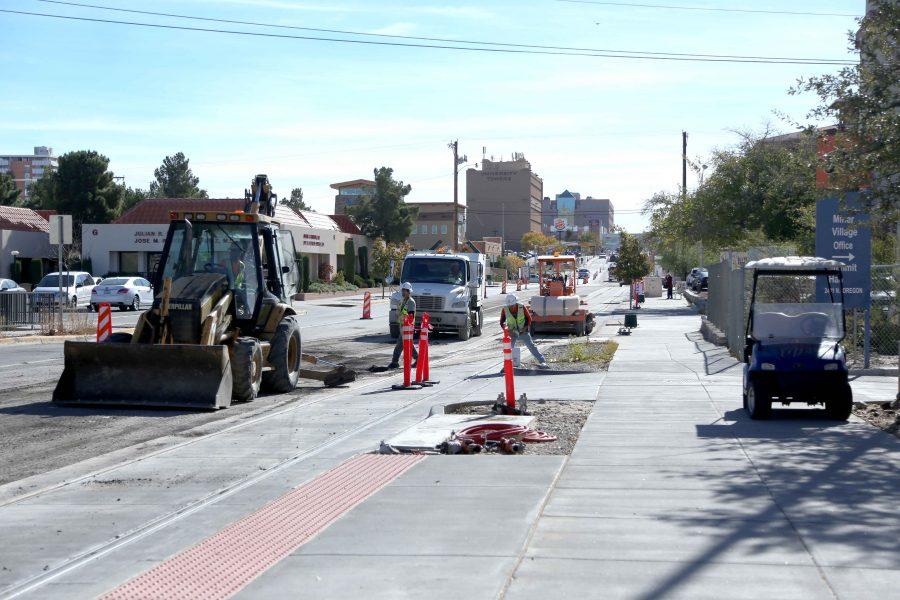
point(221, 326)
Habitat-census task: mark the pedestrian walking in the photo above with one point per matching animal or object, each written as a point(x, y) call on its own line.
point(517, 319)
point(406, 307)
point(669, 283)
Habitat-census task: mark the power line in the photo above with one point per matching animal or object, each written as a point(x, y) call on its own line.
point(427, 46)
point(421, 38)
point(713, 9)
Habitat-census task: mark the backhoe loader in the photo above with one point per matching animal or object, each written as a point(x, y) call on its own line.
point(221, 327)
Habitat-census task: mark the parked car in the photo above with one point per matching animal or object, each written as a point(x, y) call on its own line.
point(127, 293)
point(76, 289)
point(8, 285)
point(700, 281)
point(582, 273)
point(689, 280)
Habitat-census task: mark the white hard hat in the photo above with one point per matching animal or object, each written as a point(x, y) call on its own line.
point(406, 286)
point(512, 299)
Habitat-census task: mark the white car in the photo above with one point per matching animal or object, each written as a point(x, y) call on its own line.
point(76, 289)
point(8, 285)
point(128, 293)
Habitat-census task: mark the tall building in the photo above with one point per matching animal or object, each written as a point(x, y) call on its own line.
point(28, 168)
point(434, 224)
point(503, 199)
point(580, 214)
point(350, 192)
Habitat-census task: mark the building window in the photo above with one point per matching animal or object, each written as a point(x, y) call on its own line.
point(434, 229)
point(424, 229)
point(443, 230)
point(128, 262)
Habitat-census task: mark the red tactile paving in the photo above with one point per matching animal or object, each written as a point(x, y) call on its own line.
point(222, 565)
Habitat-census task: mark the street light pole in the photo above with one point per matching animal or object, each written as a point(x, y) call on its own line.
point(454, 145)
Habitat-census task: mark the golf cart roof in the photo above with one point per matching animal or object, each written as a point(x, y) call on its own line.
point(795, 263)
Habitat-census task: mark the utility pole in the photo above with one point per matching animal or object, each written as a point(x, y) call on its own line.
point(684, 169)
point(454, 145)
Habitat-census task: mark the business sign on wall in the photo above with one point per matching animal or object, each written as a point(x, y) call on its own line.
point(560, 224)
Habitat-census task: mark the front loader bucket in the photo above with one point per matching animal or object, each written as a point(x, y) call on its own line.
point(171, 376)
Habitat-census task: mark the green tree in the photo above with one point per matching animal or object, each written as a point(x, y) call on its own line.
point(40, 193)
point(349, 259)
point(865, 100)
point(9, 193)
point(633, 263)
point(385, 214)
point(295, 202)
point(174, 179)
point(364, 261)
point(82, 186)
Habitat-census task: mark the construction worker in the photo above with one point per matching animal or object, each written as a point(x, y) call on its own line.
point(517, 319)
point(406, 307)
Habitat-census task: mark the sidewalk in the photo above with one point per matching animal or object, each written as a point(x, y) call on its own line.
point(673, 492)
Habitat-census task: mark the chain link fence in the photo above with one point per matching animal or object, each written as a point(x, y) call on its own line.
point(872, 337)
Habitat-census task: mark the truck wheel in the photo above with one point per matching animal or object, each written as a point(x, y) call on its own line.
point(479, 321)
point(840, 407)
point(395, 331)
point(759, 403)
point(284, 358)
point(246, 369)
point(465, 331)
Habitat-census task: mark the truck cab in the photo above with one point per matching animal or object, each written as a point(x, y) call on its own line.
point(449, 287)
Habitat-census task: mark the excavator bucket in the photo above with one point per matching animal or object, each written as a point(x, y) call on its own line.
point(171, 376)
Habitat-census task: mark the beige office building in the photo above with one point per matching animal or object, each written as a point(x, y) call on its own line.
point(433, 224)
point(503, 199)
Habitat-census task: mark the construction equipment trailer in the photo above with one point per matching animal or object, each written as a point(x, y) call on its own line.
point(221, 327)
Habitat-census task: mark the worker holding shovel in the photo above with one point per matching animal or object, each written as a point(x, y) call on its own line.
point(517, 319)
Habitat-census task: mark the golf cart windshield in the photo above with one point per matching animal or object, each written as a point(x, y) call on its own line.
point(797, 307)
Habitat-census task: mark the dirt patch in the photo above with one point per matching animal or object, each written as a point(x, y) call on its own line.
point(883, 415)
point(562, 418)
point(581, 355)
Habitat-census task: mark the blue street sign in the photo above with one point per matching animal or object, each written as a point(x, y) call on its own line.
point(844, 235)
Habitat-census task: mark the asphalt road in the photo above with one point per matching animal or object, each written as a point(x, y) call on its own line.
point(37, 436)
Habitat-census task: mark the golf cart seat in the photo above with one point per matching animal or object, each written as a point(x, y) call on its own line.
point(808, 324)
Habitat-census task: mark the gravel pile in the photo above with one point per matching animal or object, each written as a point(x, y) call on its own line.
point(883, 415)
point(562, 418)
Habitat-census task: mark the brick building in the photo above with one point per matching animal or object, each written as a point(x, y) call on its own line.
point(28, 168)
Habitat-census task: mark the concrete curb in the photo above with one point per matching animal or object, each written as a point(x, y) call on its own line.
point(325, 295)
point(711, 333)
point(874, 372)
point(46, 339)
point(695, 300)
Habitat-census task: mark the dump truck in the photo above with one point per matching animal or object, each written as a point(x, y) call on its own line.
point(558, 307)
point(221, 327)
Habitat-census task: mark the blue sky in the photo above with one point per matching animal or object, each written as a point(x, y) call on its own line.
point(311, 113)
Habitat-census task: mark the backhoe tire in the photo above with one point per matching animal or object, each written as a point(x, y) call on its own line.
point(284, 358)
point(579, 328)
point(840, 407)
point(246, 369)
point(395, 331)
point(479, 322)
point(119, 337)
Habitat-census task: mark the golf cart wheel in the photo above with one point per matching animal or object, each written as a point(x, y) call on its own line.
point(395, 331)
point(284, 358)
point(479, 321)
point(759, 403)
point(246, 369)
point(465, 331)
point(840, 407)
